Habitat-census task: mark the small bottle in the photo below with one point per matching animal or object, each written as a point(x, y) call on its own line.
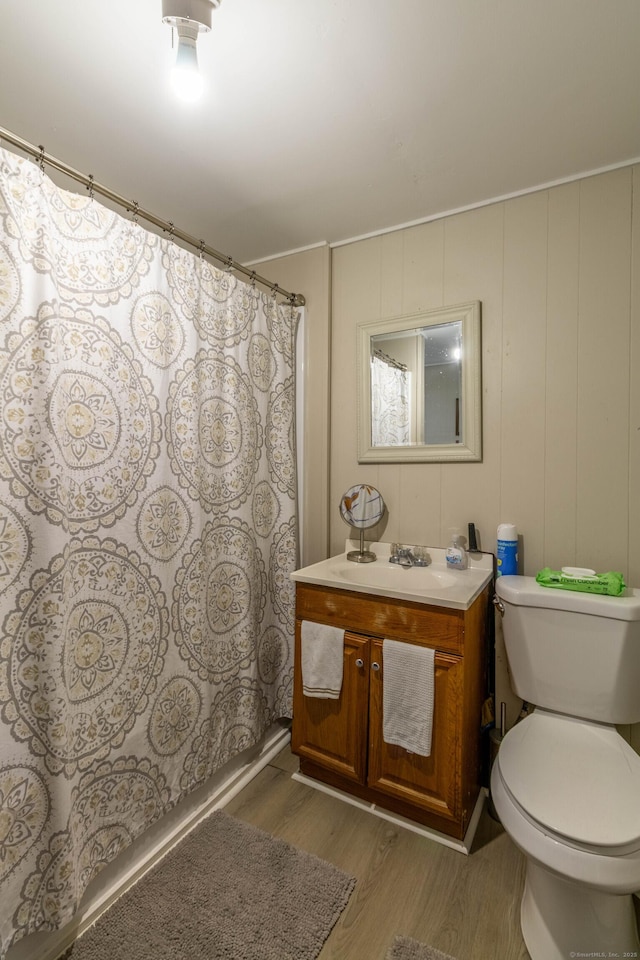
point(507, 553)
point(456, 555)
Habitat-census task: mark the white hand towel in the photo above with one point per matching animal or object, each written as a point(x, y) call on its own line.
point(407, 696)
point(322, 652)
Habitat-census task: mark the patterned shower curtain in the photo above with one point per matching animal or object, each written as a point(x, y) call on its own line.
point(147, 533)
point(390, 410)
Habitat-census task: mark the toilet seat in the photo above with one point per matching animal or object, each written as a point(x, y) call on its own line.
point(576, 781)
point(614, 870)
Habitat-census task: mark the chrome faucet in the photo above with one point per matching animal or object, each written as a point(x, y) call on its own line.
point(406, 557)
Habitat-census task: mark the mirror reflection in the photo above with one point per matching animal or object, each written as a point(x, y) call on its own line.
point(419, 396)
point(416, 386)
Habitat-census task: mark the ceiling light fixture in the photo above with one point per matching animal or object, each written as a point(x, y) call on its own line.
point(188, 18)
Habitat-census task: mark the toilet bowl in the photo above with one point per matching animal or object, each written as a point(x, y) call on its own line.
point(581, 839)
point(565, 784)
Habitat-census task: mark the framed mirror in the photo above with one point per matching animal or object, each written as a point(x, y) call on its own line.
point(419, 387)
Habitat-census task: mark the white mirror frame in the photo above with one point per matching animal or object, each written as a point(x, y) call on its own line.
point(470, 447)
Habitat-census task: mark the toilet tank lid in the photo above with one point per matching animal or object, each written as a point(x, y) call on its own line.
point(578, 779)
point(527, 592)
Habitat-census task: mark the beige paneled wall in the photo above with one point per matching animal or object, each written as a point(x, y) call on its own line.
point(559, 280)
point(558, 275)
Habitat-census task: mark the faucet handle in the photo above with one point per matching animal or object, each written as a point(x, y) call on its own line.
point(396, 553)
point(422, 557)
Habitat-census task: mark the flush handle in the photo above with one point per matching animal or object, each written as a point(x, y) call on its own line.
point(499, 605)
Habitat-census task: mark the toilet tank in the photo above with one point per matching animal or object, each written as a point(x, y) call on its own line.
point(576, 653)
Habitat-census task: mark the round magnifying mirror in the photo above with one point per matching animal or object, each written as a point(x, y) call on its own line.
point(361, 507)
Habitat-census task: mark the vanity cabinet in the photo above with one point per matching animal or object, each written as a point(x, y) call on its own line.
point(340, 741)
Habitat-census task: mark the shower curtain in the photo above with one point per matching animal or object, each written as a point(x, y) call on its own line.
point(147, 533)
point(390, 410)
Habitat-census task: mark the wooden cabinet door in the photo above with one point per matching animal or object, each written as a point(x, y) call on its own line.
point(333, 733)
point(431, 783)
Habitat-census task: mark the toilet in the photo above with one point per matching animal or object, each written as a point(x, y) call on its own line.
point(565, 784)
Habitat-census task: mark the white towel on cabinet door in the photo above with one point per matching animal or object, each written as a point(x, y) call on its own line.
point(407, 696)
point(322, 654)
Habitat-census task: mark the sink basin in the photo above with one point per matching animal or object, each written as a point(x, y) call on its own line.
point(392, 576)
point(435, 585)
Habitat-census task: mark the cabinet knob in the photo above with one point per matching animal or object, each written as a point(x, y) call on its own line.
point(359, 662)
point(375, 666)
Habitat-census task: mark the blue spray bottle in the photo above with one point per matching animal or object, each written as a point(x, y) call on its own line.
point(507, 552)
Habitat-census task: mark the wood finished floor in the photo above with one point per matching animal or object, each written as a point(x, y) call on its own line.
point(466, 906)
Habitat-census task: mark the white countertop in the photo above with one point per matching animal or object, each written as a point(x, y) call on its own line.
point(436, 585)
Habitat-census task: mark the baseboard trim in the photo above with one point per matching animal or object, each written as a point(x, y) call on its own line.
point(463, 846)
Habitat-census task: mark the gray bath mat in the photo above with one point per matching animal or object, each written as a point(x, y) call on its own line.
point(227, 892)
point(404, 948)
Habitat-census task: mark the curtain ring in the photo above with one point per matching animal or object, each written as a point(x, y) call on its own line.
point(90, 186)
point(171, 229)
point(135, 211)
point(228, 264)
point(41, 159)
point(201, 249)
point(252, 279)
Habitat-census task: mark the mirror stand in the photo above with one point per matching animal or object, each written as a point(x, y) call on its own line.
point(361, 555)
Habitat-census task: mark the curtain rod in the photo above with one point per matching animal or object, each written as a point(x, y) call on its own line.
point(381, 355)
point(295, 299)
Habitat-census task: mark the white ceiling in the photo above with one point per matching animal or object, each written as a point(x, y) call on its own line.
point(324, 121)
